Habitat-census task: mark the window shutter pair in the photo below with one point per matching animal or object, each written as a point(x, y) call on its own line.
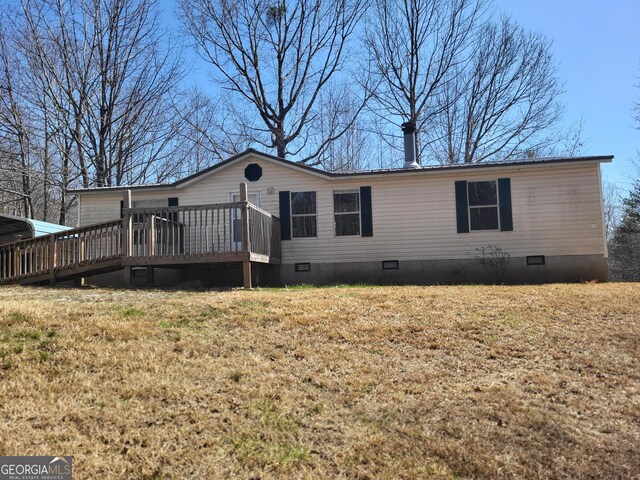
point(504, 205)
point(366, 213)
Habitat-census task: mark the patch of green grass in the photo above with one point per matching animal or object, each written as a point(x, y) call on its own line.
point(236, 376)
point(214, 312)
point(514, 317)
point(14, 318)
point(181, 323)
point(302, 286)
point(255, 450)
point(269, 416)
point(26, 335)
point(250, 304)
point(131, 312)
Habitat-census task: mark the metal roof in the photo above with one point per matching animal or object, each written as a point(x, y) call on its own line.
point(317, 171)
point(13, 228)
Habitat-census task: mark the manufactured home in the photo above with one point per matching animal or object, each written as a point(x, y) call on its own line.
point(259, 219)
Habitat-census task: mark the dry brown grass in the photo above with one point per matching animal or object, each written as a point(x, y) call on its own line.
point(358, 382)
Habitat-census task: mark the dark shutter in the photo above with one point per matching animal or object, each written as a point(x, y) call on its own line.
point(285, 216)
point(366, 212)
point(504, 194)
point(462, 207)
point(173, 202)
point(121, 208)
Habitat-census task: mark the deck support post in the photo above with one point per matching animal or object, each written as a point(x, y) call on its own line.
point(246, 264)
point(127, 233)
point(126, 280)
point(150, 276)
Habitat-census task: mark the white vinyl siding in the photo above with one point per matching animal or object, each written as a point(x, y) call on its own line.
point(556, 211)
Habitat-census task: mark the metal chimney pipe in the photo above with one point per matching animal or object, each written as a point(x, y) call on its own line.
point(409, 130)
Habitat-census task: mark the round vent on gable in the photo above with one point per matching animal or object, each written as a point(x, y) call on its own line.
point(253, 172)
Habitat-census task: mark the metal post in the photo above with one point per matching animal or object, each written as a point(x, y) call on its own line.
point(246, 264)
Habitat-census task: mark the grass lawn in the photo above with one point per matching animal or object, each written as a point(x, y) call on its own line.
point(346, 382)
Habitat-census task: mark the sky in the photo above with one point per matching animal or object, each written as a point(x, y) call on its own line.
point(596, 44)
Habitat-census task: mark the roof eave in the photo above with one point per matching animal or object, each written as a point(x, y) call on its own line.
point(196, 177)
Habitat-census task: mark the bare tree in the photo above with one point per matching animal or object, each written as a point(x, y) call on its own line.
point(351, 152)
point(15, 131)
point(636, 110)
point(277, 57)
point(503, 102)
point(208, 132)
point(106, 63)
point(415, 46)
point(612, 208)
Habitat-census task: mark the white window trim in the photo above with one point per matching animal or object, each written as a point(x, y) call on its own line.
point(291, 214)
point(497, 205)
point(151, 203)
point(251, 192)
point(235, 215)
point(359, 212)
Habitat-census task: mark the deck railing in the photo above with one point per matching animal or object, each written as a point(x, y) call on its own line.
point(236, 231)
point(191, 230)
point(60, 251)
point(264, 232)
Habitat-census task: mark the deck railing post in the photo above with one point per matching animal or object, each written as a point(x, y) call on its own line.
point(151, 235)
point(53, 258)
point(246, 264)
point(127, 233)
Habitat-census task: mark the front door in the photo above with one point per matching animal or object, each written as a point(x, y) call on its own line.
point(236, 223)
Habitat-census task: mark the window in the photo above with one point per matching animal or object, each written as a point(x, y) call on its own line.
point(346, 209)
point(303, 214)
point(483, 205)
point(156, 203)
point(236, 225)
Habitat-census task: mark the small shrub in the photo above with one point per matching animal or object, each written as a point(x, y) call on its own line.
point(494, 260)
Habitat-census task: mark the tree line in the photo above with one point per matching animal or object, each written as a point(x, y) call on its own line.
point(96, 93)
point(623, 225)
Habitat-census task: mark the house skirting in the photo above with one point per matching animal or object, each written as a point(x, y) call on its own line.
point(565, 268)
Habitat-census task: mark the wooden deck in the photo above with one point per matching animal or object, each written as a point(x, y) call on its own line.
point(228, 233)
